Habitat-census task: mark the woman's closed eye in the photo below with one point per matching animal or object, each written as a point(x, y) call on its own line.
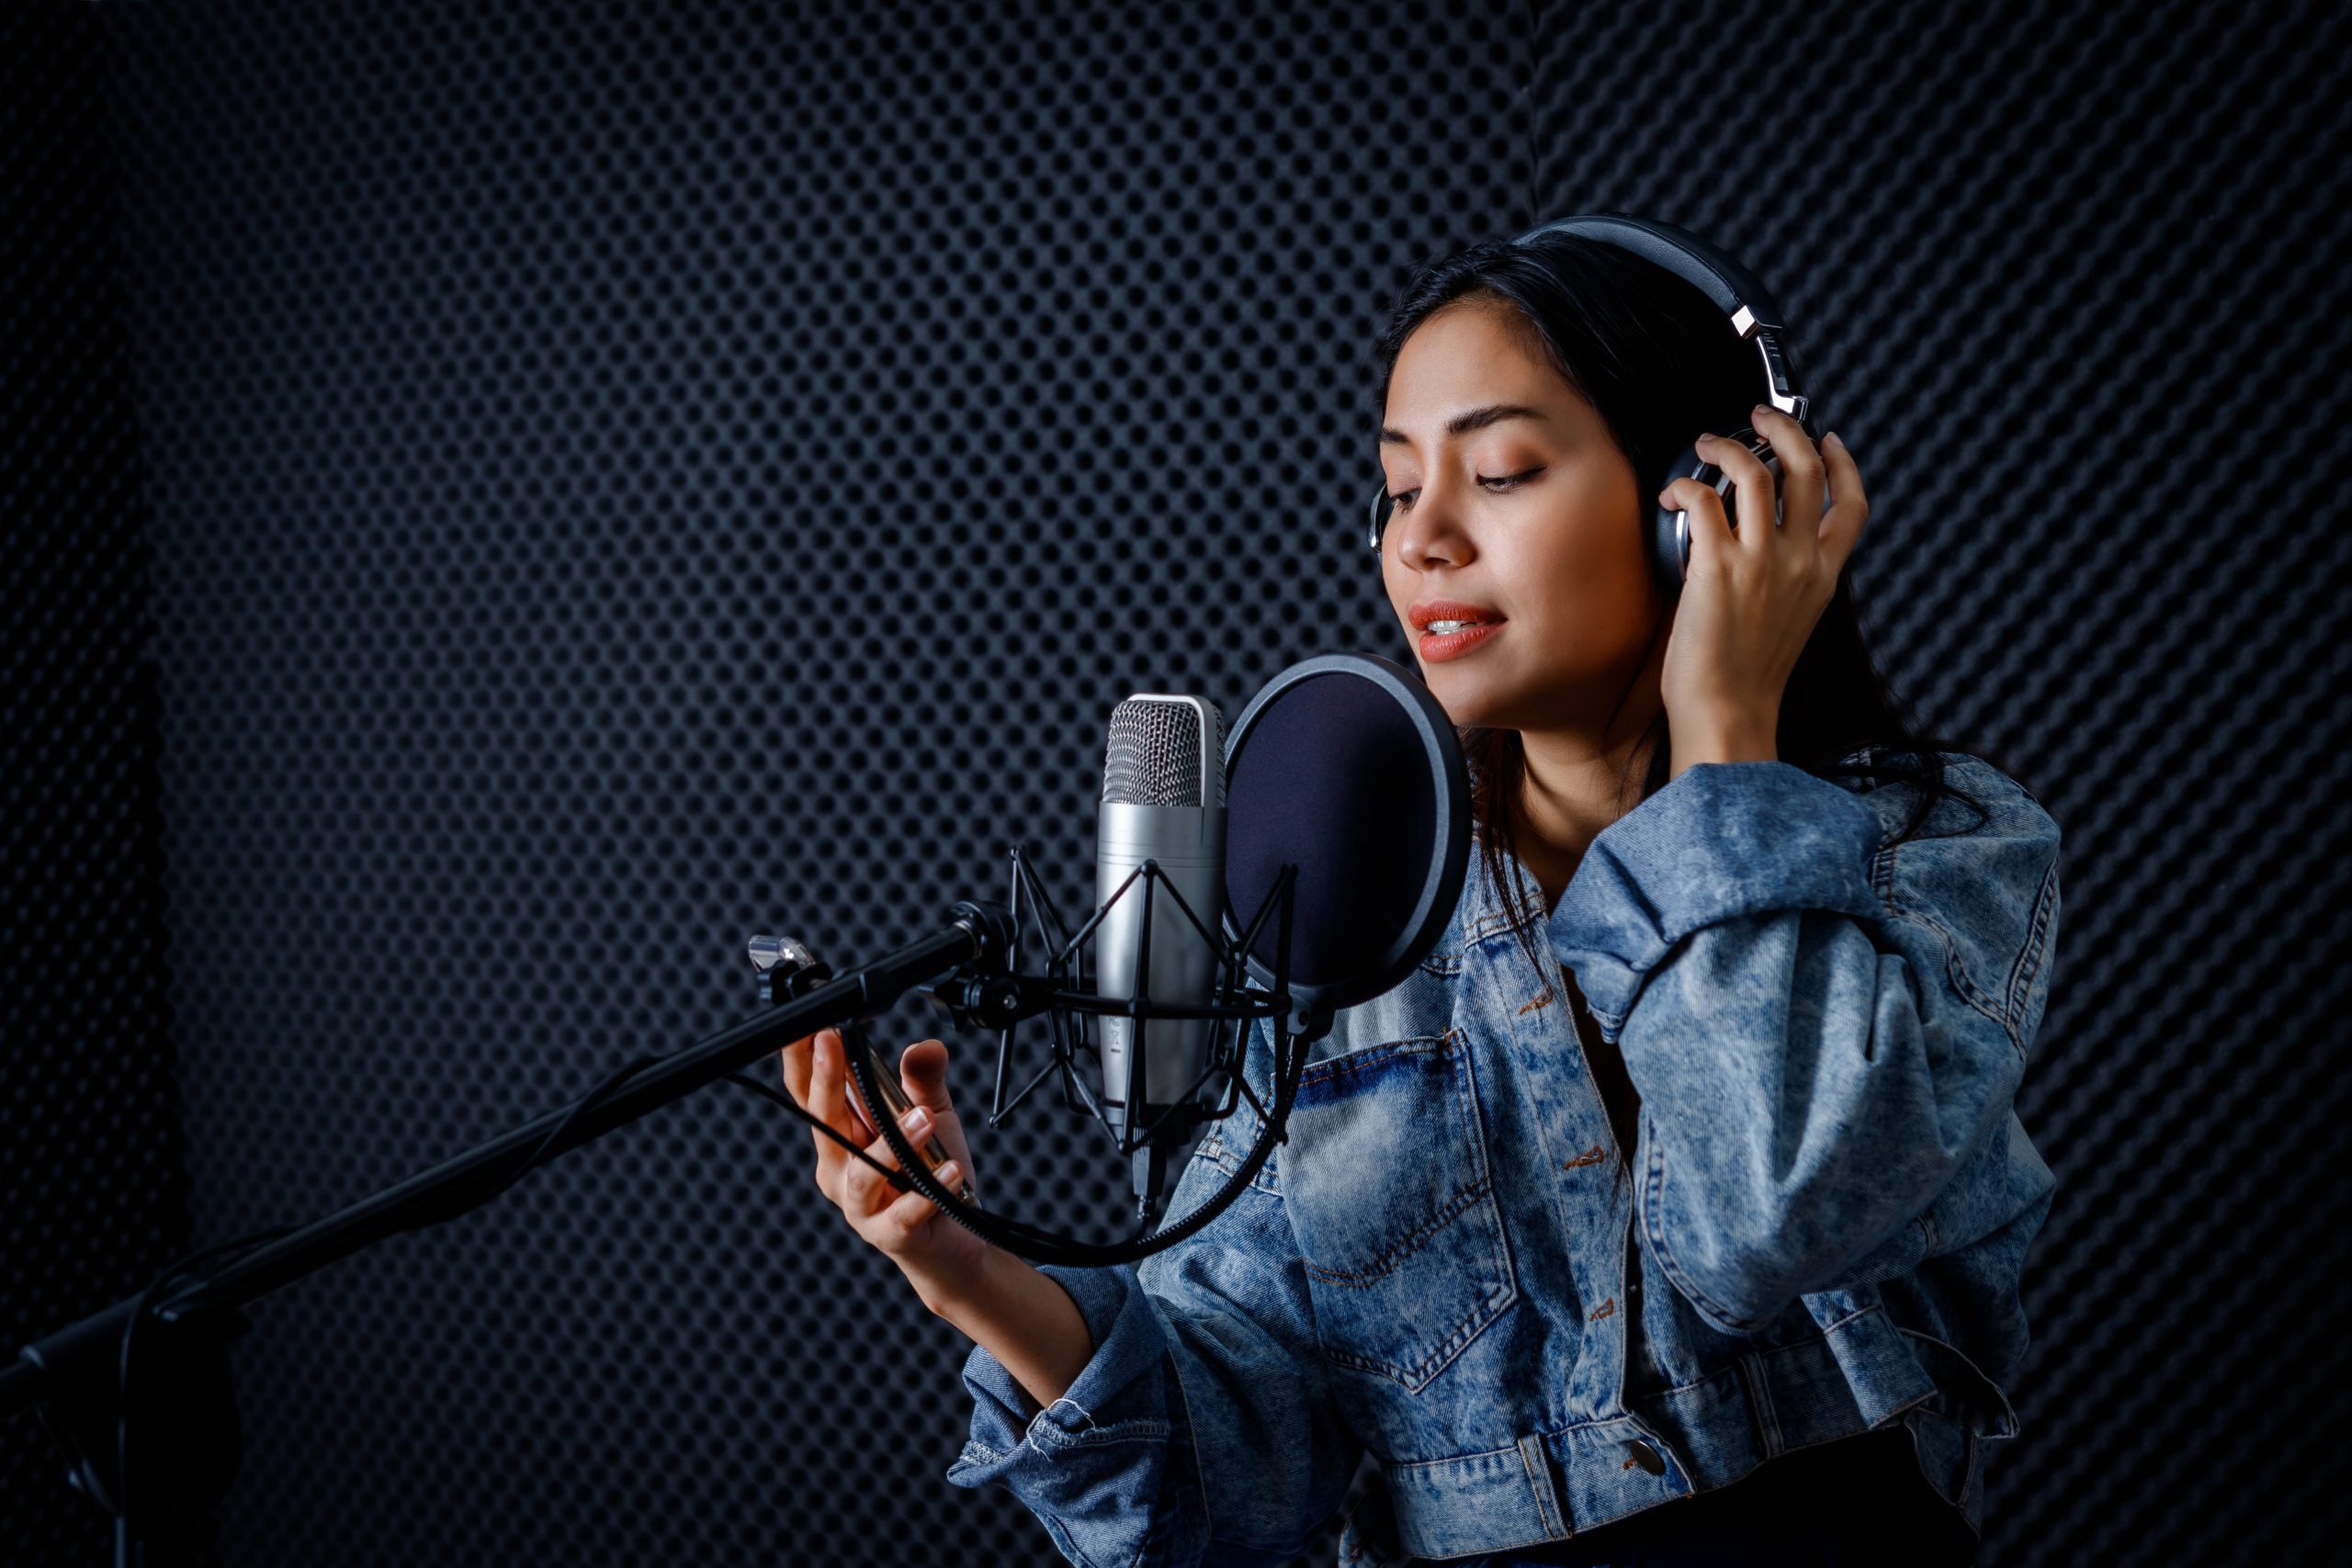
point(1498, 483)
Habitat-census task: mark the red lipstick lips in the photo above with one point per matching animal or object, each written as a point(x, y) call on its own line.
point(1439, 646)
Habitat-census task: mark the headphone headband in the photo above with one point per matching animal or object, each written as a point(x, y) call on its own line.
point(1738, 293)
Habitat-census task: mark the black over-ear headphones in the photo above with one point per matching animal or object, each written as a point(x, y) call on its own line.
point(1745, 302)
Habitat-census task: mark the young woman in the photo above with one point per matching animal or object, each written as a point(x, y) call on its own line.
point(1803, 951)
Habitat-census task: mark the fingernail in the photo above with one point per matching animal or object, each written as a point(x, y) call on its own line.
point(1704, 436)
point(916, 1121)
point(948, 1173)
point(1760, 407)
point(1833, 439)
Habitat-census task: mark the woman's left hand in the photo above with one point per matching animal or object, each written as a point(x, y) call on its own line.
point(1751, 598)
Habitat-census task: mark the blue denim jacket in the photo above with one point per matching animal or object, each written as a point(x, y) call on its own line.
point(1828, 1205)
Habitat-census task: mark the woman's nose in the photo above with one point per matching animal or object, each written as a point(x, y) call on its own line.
point(1430, 531)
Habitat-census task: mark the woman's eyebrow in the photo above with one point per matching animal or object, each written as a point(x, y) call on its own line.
point(1462, 423)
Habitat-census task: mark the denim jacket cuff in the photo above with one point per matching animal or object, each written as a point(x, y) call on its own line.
point(1721, 841)
point(1118, 1396)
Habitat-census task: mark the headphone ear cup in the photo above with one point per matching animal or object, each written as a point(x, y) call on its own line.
point(1669, 532)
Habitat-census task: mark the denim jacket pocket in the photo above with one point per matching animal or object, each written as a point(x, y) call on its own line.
point(1963, 1393)
point(1392, 1198)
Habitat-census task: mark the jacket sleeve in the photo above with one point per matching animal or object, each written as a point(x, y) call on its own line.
point(1202, 1430)
point(1822, 1032)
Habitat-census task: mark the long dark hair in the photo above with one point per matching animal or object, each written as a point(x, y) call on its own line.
point(1662, 364)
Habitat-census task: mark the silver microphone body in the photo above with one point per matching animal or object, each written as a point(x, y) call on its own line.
point(1163, 800)
point(1189, 844)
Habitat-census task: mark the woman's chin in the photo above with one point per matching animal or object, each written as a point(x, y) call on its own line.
point(1470, 699)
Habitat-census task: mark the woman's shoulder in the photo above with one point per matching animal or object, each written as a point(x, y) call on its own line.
point(1977, 882)
point(1980, 799)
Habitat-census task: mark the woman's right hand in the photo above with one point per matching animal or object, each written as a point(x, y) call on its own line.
point(940, 1258)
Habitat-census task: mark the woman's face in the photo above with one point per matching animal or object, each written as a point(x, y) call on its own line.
point(1534, 522)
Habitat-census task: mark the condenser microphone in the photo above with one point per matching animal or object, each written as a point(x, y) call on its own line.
point(1163, 800)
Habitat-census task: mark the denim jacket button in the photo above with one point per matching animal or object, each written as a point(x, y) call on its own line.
point(1647, 1457)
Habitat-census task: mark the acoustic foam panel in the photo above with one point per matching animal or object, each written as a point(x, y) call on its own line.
point(625, 478)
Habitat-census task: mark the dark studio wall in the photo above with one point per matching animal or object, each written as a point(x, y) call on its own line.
point(507, 500)
point(93, 1182)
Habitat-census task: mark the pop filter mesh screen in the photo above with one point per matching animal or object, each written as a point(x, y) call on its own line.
point(1333, 777)
point(507, 500)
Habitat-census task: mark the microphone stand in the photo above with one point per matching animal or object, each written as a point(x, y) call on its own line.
point(186, 1419)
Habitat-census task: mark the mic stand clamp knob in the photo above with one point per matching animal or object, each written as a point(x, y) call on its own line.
point(787, 959)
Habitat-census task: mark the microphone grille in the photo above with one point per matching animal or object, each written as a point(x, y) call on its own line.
point(1165, 751)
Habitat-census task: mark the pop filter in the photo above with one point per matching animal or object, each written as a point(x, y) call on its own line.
point(1346, 767)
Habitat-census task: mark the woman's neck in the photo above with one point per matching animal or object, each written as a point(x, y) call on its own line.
point(1571, 792)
